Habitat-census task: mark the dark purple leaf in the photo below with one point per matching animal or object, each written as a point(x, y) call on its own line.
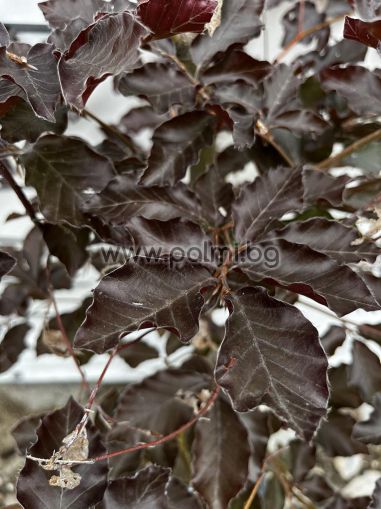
point(4, 36)
point(376, 497)
point(301, 458)
point(12, 345)
point(335, 436)
point(322, 187)
point(369, 431)
point(342, 395)
point(7, 263)
point(262, 203)
point(62, 170)
point(167, 17)
point(20, 123)
point(333, 338)
point(123, 199)
point(255, 367)
point(308, 272)
point(364, 374)
point(164, 408)
point(162, 84)
point(33, 489)
point(176, 146)
point(240, 23)
point(67, 244)
point(236, 65)
point(146, 490)
point(166, 237)
point(143, 294)
point(362, 195)
point(24, 433)
point(368, 33)
point(220, 456)
point(138, 353)
point(344, 51)
point(140, 118)
point(80, 73)
point(360, 87)
point(311, 18)
point(331, 238)
point(215, 194)
point(180, 496)
point(38, 80)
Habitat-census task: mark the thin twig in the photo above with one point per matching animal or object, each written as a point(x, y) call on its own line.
point(146, 445)
point(357, 145)
point(305, 33)
point(267, 135)
point(254, 491)
point(301, 16)
point(112, 130)
point(6, 173)
point(64, 334)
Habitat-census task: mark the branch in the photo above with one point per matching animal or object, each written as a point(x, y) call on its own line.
point(64, 334)
point(305, 33)
point(146, 445)
point(357, 145)
point(112, 130)
point(6, 173)
point(267, 135)
point(254, 491)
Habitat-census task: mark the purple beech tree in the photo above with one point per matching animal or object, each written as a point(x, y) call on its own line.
point(196, 436)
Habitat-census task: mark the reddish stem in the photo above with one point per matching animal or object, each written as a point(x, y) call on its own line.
point(204, 410)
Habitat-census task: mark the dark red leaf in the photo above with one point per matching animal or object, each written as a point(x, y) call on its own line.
point(141, 294)
point(176, 146)
point(169, 17)
point(140, 118)
point(255, 367)
point(138, 353)
point(368, 33)
point(80, 73)
point(220, 456)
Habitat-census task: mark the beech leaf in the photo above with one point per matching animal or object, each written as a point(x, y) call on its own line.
point(167, 17)
point(364, 374)
point(220, 456)
point(264, 360)
point(143, 294)
point(164, 393)
point(147, 489)
point(176, 146)
point(12, 345)
point(33, 488)
point(62, 169)
point(80, 73)
point(295, 266)
point(265, 201)
point(7, 263)
point(38, 80)
point(369, 431)
point(239, 23)
point(366, 32)
point(162, 84)
point(335, 435)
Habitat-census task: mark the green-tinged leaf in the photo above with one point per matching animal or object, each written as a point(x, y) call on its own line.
point(255, 367)
point(220, 456)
